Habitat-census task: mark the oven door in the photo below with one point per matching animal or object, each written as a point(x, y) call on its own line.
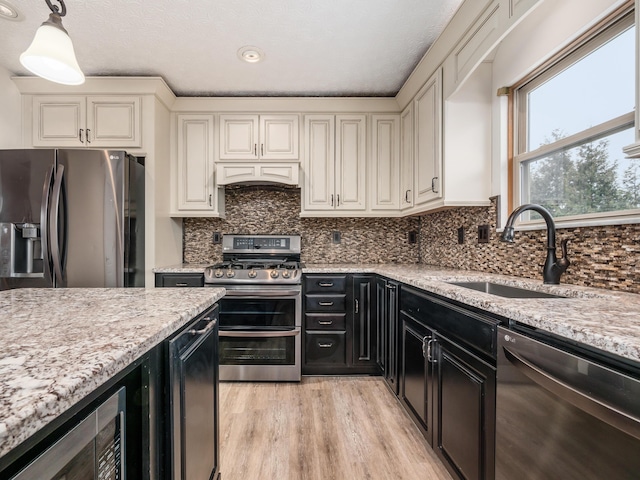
point(260, 334)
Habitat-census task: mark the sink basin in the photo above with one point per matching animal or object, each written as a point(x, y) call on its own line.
point(505, 290)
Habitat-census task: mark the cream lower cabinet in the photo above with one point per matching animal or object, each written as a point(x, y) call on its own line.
point(427, 106)
point(87, 121)
point(334, 166)
point(259, 137)
point(195, 191)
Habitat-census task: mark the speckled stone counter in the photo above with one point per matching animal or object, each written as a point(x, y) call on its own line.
point(604, 319)
point(59, 345)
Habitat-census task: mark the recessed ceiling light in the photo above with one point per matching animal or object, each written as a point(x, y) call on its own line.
point(250, 54)
point(8, 11)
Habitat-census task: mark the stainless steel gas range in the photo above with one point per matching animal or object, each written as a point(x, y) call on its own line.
point(261, 314)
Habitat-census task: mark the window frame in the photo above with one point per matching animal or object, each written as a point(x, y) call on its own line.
point(604, 31)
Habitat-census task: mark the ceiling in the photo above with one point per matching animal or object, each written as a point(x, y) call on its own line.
point(312, 48)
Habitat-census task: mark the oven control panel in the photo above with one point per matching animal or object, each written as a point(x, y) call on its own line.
point(281, 244)
point(250, 243)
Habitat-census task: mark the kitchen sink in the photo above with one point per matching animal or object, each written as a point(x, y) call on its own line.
point(505, 290)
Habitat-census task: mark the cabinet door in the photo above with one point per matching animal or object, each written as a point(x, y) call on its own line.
point(238, 137)
point(464, 411)
point(385, 158)
point(59, 121)
point(279, 137)
point(319, 171)
point(350, 162)
point(381, 325)
point(416, 383)
point(428, 141)
point(195, 163)
point(113, 122)
point(391, 314)
point(364, 321)
point(406, 158)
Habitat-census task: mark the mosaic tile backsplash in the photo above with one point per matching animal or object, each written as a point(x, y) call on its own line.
point(601, 257)
point(267, 210)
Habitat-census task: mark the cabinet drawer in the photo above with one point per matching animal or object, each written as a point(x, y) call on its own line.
point(180, 280)
point(325, 321)
point(325, 283)
point(325, 303)
point(325, 348)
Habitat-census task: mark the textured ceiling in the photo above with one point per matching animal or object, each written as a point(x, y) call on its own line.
point(321, 47)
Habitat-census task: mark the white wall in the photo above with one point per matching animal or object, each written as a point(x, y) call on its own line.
point(544, 32)
point(10, 112)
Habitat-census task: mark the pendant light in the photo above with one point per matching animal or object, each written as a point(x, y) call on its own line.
point(51, 55)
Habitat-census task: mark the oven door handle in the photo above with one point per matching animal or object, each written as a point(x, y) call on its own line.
point(261, 293)
point(278, 333)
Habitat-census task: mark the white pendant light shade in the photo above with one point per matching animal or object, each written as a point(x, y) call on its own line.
point(51, 55)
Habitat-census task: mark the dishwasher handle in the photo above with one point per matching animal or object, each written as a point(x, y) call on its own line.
point(606, 413)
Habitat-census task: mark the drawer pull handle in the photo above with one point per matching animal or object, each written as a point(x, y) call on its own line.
point(325, 345)
point(326, 284)
point(326, 322)
point(325, 304)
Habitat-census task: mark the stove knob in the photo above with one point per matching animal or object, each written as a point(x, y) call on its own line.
point(252, 273)
point(286, 274)
point(219, 273)
point(274, 274)
point(231, 273)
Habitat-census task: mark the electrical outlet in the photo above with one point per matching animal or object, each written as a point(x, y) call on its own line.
point(336, 237)
point(483, 233)
point(461, 235)
point(413, 236)
point(217, 238)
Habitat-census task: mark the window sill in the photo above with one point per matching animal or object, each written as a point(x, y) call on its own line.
point(621, 218)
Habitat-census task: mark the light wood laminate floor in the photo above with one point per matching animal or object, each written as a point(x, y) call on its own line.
point(323, 428)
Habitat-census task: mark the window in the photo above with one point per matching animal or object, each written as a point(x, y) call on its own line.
point(572, 120)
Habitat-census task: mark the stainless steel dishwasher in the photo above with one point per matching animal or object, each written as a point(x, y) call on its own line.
point(560, 414)
point(193, 375)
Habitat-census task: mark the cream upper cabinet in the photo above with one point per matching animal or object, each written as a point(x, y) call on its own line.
point(195, 189)
point(259, 137)
point(406, 158)
point(428, 141)
point(385, 163)
point(334, 168)
point(81, 121)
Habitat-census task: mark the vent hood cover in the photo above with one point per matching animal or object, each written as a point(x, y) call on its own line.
point(234, 173)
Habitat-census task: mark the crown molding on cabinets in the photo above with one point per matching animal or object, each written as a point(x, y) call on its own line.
point(287, 104)
point(100, 86)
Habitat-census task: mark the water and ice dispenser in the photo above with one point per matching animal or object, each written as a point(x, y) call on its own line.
point(21, 250)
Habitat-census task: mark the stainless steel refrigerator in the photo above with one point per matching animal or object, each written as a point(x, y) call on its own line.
point(71, 218)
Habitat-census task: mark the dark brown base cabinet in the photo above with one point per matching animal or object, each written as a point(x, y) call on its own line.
point(448, 381)
point(387, 292)
point(179, 280)
point(339, 325)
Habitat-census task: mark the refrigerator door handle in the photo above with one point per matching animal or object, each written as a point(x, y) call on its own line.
point(57, 251)
point(44, 226)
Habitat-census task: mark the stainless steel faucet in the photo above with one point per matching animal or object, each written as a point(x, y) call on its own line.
point(553, 268)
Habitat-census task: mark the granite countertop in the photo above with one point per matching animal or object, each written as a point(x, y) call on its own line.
point(604, 319)
point(59, 345)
